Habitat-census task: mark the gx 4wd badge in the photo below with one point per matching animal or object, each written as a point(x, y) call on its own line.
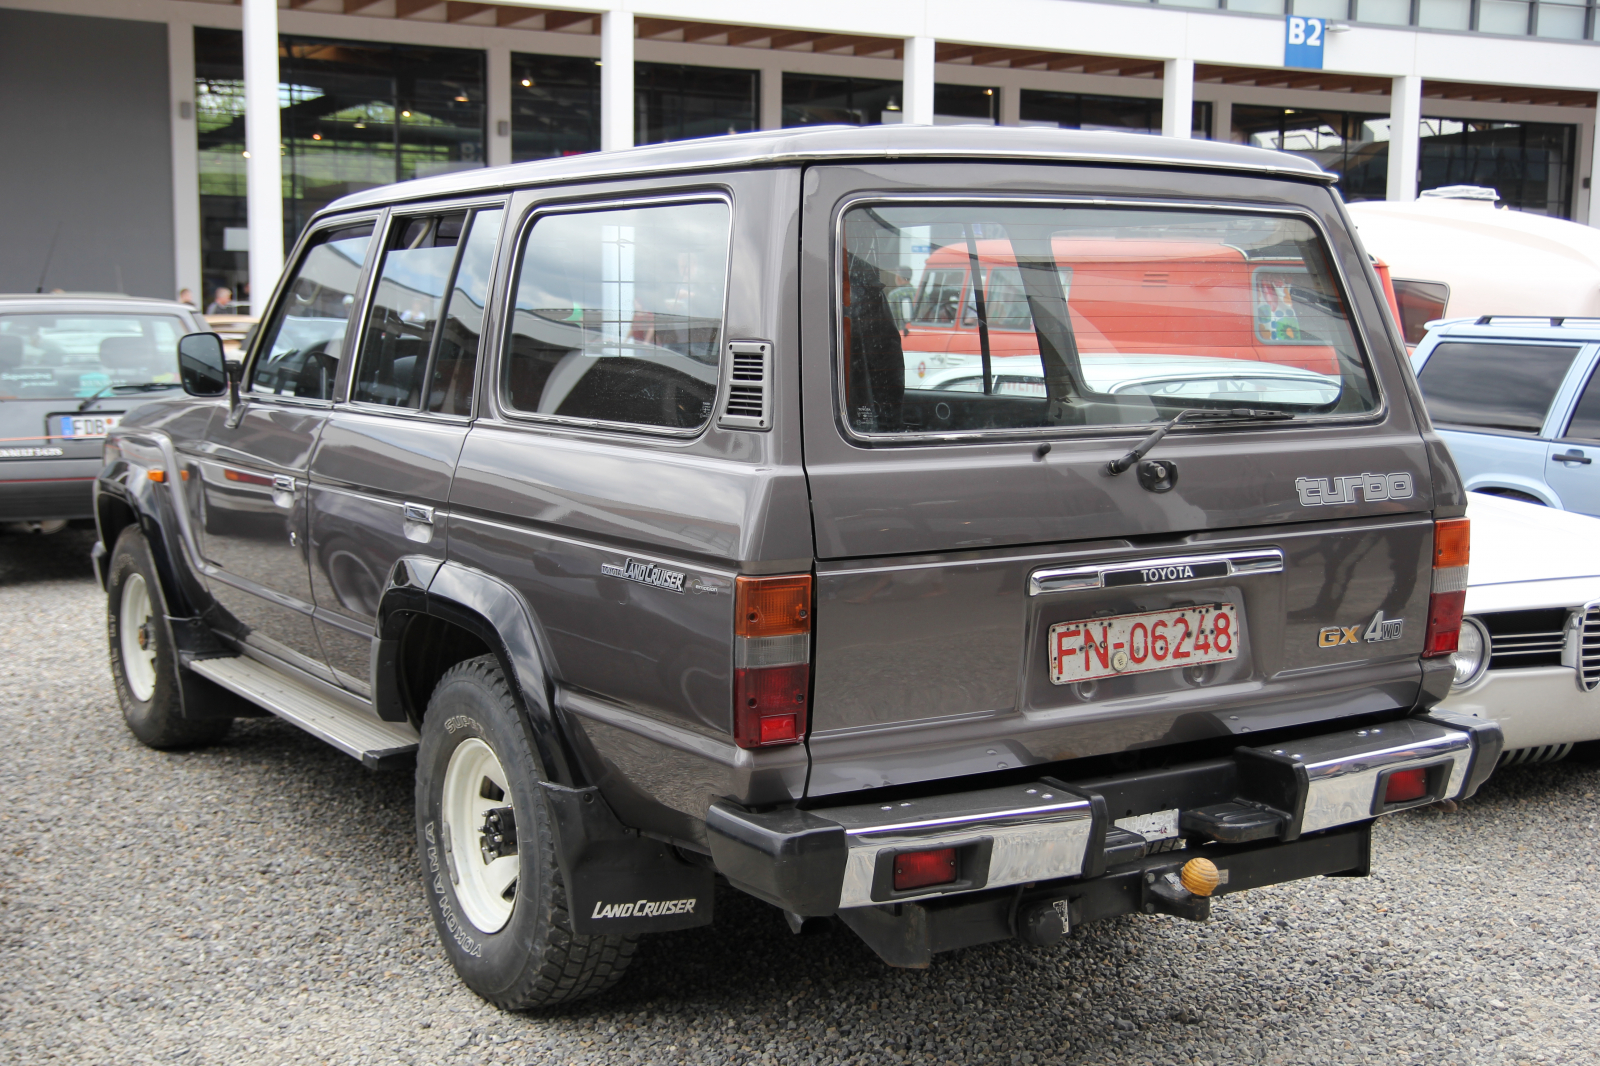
point(1380, 628)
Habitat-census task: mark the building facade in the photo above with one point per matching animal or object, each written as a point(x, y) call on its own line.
point(140, 165)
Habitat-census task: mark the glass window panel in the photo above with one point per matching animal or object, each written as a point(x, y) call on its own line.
point(1561, 20)
point(1503, 16)
point(1123, 114)
point(1585, 423)
point(966, 104)
point(456, 361)
point(618, 316)
point(673, 102)
point(1260, 7)
point(84, 354)
point(1354, 146)
point(1503, 387)
point(1086, 316)
point(353, 114)
point(1420, 302)
point(819, 99)
point(555, 106)
point(1444, 14)
point(299, 353)
point(1385, 12)
point(418, 259)
point(1189, 3)
point(1326, 9)
point(1530, 164)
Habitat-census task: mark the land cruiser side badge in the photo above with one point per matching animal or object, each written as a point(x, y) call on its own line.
point(1326, 492)
point(1380, 628)
point(644, 574)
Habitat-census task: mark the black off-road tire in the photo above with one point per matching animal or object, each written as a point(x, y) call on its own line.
point(152, 705)
point(533, 959)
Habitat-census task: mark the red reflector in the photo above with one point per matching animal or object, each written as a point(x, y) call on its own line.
point(918, 869)
point(1444, 623)
point(1405, 786)
point(769, 705)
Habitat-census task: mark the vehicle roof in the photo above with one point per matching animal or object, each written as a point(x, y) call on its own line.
point(819, 143)
point(14, 302)
point(1573, 330)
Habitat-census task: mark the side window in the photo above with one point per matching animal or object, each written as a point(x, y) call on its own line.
point(618, 315)
point(420, 346)
point(1501, 387)
point(1585, 424)
point(1420, 303)
point(299, 356)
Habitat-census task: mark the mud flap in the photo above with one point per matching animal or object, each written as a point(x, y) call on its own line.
point(618, 881)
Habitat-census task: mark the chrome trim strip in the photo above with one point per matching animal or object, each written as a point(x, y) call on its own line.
point(1073, 578)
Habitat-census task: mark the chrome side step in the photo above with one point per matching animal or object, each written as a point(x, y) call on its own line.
point(369, 739)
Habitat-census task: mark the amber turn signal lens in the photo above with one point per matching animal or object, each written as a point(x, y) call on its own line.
point(772, 606)
point(1451, 541)
point(158, 475)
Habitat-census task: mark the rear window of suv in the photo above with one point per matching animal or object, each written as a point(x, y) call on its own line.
point(86, 353)
point(1507, 388)
point(961, 318)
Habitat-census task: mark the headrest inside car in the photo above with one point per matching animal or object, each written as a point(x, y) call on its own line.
point(126, 353)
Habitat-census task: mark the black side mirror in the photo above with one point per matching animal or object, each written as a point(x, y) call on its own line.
point(202, 366)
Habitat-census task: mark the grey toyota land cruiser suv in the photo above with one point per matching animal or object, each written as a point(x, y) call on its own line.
point(967, 533)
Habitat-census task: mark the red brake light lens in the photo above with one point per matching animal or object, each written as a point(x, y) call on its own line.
point(772, 659)
point(1444, 623)
point(1451, 548)
point(770, 704)
point(1405, 786)
point(919, 869)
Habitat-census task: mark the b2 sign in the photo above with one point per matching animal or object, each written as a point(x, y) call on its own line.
point(1302, 41)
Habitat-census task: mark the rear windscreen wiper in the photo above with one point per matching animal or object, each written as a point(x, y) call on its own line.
point(147, 386)
point(1193, 414)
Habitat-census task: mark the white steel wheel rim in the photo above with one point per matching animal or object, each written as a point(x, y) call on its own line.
point(136, 631)
point(487, 890)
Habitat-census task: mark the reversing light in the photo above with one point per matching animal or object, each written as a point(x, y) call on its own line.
point(1451, 541)
point(1406, 785)
point(1471, 654)
point(771, 659)
point(919, 869)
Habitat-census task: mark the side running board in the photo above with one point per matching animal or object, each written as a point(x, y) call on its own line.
point(376, 743)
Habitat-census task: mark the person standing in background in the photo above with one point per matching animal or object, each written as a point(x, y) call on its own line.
point(221, 301)
point(186, 296)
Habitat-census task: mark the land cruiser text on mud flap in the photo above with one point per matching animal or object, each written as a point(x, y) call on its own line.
point(1034, 527)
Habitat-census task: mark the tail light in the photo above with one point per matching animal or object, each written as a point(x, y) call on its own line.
point(1406, 786)
point(771, 659)
point(918, 869)
point(1451, 540)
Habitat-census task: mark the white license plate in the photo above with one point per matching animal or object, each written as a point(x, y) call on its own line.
point(1139, 643)
point(87, 425)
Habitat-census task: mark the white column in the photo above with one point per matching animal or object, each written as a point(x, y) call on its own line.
point(917, 105)
point(1010, 105)
point(1222, 120)
point(616, 80)
point(771, 97)
point(1405, 136)
point(263, 139)
point(187, 271)
point(498, 99)
point(1177, 98)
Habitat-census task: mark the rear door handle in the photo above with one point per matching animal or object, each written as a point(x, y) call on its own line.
point(1573, 456)
point(283, 483)
point(416, 512)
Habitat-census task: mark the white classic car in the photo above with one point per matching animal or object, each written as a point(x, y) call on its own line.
point(1530, 645)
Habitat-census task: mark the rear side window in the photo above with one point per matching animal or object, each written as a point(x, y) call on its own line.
point(618, 316)
point(299, 355)
point(1420, 303)
point(1502, 387)
point(420, 347)
point(1041, 316)
point(1585, 424)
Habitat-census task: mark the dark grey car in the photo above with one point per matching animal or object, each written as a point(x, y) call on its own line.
point(619, 491)
point(71, 367)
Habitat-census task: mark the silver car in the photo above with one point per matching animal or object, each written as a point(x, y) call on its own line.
point(71, 368)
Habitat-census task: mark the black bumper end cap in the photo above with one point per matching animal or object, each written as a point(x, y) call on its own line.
point(1487, 744)
point(791, 858)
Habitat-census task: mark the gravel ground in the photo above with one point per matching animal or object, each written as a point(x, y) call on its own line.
point(256, 901)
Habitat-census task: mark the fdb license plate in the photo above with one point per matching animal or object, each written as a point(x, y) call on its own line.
point(1139, 643)
point(87, 425)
